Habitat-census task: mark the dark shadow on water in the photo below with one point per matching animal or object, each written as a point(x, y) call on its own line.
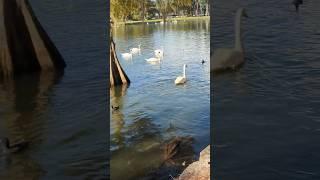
point(138, 145)
point(138, 148)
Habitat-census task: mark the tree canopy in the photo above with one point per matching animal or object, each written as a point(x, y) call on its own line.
point(123, 10)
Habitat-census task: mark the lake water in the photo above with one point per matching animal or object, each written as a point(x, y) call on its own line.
point(153, 108)
point(266, 115)
point(63, 117)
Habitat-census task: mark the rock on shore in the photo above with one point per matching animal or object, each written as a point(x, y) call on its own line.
point(198, 170)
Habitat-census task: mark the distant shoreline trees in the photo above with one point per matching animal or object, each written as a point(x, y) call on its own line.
point(140, 10)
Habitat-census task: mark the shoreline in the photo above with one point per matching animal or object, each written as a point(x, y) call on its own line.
point(198, 170)
point(153, 21)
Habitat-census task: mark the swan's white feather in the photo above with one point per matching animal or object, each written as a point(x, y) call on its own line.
point(180, 80)
point(126, 55)
point(153, 60)
point(158, 53)
point(224, 59)
point(135, 50)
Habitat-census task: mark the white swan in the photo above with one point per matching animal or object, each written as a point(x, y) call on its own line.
point(136, 50)
point(181, 79)
point(161, 22)
point(127, 55)
point(154, 60)
point(159, 52)
point(230, 58)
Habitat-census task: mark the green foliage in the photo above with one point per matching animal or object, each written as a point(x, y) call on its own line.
point(123, 10)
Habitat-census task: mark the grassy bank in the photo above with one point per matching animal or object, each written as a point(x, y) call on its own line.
point(184, 18)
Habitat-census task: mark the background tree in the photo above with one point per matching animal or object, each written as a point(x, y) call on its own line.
point(119, 10)
point(196, 6)
point(204, 7)
point(181, 5)
point(124, 10)
point(164, 7)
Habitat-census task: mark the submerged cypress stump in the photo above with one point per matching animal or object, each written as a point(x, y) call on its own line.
point(117, 74)
point(24, 44)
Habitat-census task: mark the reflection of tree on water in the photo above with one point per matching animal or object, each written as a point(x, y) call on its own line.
point(138, 31)
point(117, 94)
point(30, 94)
point(26, 99)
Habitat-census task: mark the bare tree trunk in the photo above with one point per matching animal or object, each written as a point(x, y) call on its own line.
point(197, 8)
point(117, 74)
point(24, 45)
point(207, 9)
point(143, 10)
point(164, 16)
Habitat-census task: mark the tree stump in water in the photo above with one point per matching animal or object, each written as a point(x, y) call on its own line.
point(24, 44)
point(117, 74)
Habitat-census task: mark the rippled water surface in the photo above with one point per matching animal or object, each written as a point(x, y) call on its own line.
point(153, 108)
point(63, 117)
point(266, 123)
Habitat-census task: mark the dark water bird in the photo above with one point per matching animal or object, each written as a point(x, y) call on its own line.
point(7, 148)
point(202, 62)
point(297, 3)
point(115, 107)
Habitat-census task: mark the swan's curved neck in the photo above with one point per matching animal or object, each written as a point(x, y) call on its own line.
point(238, 33)
point(184, 71)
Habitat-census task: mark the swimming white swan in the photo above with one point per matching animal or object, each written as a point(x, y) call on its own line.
point(159, 52)
point(127, 55)
point(230, 58)
point(154, 60)
point(181, 79)
point(136, 50)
